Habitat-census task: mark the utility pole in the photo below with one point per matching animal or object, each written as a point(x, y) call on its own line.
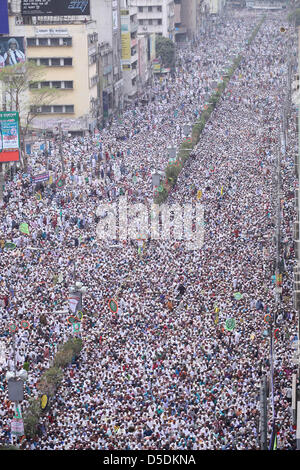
point(263, 414)
point(1, 181)
point(60, 148)
point(46, 150)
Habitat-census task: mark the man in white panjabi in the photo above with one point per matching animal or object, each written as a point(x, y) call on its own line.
point(13, 55)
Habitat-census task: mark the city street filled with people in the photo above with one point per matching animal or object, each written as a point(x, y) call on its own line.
point(163, 372)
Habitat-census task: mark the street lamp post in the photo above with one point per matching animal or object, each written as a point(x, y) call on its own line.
point(76, 292)
point(15, 385)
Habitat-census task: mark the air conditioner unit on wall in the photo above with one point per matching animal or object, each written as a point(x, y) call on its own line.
point(18, 20)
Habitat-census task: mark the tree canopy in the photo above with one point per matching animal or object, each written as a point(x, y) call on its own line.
point(22, 93)
point(165, 49)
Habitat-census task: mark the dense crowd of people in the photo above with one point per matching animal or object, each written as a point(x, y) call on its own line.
point(163, 372)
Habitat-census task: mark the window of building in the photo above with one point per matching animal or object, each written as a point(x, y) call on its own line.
point(69, 85)
point(57, 109)
point(31, 42)
point(43, 41)
point(27, 19)
point(149, 8)
point(141, 21)
point(67, 61)
point(159, 8)
point(44, 61)
point(46, 109)
point(69, 108)
point(54, 41)
point(149, 21)
point(92, 59)
point(159, 21)
point(141, 9)
point(54, 84)
point(67, 42)
point(55, 62)
point(34, 85)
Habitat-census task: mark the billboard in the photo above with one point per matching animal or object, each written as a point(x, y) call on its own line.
point(152, 47)
point(9, 136)
point(11, 51)
point(55, 7)
point(126, 47)
point(4, 29)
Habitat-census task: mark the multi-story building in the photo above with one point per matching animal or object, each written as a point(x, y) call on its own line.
point(156, 16)
point(67, 47)
point(216, 7)
point(106, 13)
point(185, 19)
point(107, 85)
point(190, 18)
point(144, 60)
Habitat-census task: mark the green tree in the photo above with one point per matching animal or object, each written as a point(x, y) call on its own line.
point(294, 17)
point(22, 94)
point(165, 49)
point(31, 417)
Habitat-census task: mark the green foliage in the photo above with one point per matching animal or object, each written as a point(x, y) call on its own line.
point(74, 344)
point(165, 49)
point(49, 382)
point(53, 375)
point(294, 17)
point(63, 358)
point(31, 418)
point(9, 447)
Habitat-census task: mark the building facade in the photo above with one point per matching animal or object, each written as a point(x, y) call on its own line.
point(130, 57)
point(67, 47)
point(106, 13)
point(106, 80)
point(156, 16)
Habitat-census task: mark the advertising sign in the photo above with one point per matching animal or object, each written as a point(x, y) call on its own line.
point(11, 50)
point(152, 46)
point(55, 7)
point(4, 28)
point(126, 48)
point(9, 136)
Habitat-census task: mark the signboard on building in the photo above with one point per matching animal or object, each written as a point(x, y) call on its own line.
point(156, 66)
point(51, 32)
point(55, 7)
point(9, 136)
point(152, 47)
point(126, 47)
point(125, 37)
point(11, 51)
point(4, 28)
